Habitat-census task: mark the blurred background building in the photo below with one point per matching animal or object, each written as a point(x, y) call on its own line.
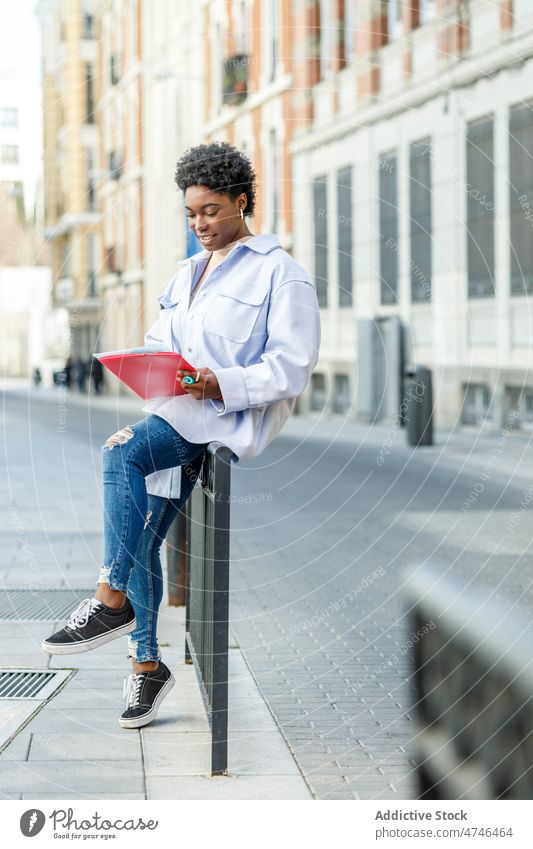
point(32, 333)
point(393, 144)
point(71, 137)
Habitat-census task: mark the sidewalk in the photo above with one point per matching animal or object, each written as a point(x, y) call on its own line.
point(73, 747)
point(66, 742)
point(59, 748)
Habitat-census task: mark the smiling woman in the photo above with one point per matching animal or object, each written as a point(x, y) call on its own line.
point(246, 315)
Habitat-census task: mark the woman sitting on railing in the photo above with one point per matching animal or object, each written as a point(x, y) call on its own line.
point(246, 314)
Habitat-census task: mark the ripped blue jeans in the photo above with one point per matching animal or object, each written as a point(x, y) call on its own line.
point(135, 523)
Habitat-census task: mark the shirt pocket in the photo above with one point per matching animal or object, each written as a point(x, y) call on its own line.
point(235, 311)
point(169, 319)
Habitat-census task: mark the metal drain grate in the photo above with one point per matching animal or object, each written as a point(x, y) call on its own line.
point(29, 683)
point(41, 604)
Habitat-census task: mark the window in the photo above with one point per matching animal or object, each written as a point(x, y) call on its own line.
point(341, 393)
point(519, 406)
point(388, 230)
point(344, 235)
point(321, 239)
point(90, 93)
point(10, 154)
point(274, 188)
point(91, 195)
point(274, 39)
point(114, 68)
point(270, 26)
point(480, 208)
point(477, 403)
point(9, 117)
point(65, 257)
point(318, 391)
point(89, 29)
point(420, 221)
point(521, 198)
point(241, 36)
point(394, 19)
point(218, 70)
point(347, 32)
point(427, 10)
point(326, 37)
point(91, 265)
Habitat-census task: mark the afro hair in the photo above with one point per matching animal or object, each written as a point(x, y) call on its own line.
point(221, 167)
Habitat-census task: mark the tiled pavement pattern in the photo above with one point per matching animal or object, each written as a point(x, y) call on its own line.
point(310, 521)
point(75, 749)
point(338, 681)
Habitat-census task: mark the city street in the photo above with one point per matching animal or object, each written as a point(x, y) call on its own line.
point(323, 523)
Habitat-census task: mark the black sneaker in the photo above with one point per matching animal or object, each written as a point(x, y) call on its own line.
point(144, 692)
point(91, 625)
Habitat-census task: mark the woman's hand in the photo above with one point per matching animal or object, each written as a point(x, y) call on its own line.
point(207, 386)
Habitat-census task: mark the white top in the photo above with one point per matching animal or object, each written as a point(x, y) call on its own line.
point(255, 322)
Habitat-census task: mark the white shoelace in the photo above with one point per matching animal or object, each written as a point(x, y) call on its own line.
point(131, 690)
point(79, 617)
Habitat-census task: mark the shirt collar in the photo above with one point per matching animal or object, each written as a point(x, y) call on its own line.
point(261, 244)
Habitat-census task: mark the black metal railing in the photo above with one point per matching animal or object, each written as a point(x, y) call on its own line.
point(473, 671)
point(207, 607)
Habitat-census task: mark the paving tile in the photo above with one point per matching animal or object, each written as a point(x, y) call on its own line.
point(112, 662)
point(81, 796)
point(85, 746)
point(72, 721)
point(252, 753)
point(267, 787)
point(79, 698)
point(170, 719)
point(175, 753)
point(18, 748)
point(55, 777)
point(20, 658)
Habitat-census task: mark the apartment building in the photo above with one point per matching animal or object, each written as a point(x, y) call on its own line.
point(20, 142)
point(70, 135)
point(120, 172)
point(393, 148)
point(174, 98)
point(412, 174)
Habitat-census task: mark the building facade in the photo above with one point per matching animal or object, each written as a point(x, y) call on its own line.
point(174, 86)
point(412, 197)
point(120, 172)
point(393, 146)
point(20, 143)
point(71, 143)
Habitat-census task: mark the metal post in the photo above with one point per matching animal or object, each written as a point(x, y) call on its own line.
point(176, 560)
point(207, 609)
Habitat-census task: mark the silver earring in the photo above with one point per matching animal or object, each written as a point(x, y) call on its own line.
point(242, 214)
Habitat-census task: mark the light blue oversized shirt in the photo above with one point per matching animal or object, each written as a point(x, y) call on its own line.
point(255, 322)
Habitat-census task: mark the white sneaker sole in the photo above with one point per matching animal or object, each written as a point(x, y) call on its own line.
point(139, 721)
point(88, 645)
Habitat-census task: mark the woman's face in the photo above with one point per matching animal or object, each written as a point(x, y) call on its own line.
point(214, 215)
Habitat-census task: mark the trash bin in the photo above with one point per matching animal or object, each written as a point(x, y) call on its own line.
point(419, 406)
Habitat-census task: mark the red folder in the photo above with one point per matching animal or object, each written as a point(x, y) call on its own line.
point(151, 374)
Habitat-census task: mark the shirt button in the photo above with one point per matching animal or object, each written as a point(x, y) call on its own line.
point(189, 349)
